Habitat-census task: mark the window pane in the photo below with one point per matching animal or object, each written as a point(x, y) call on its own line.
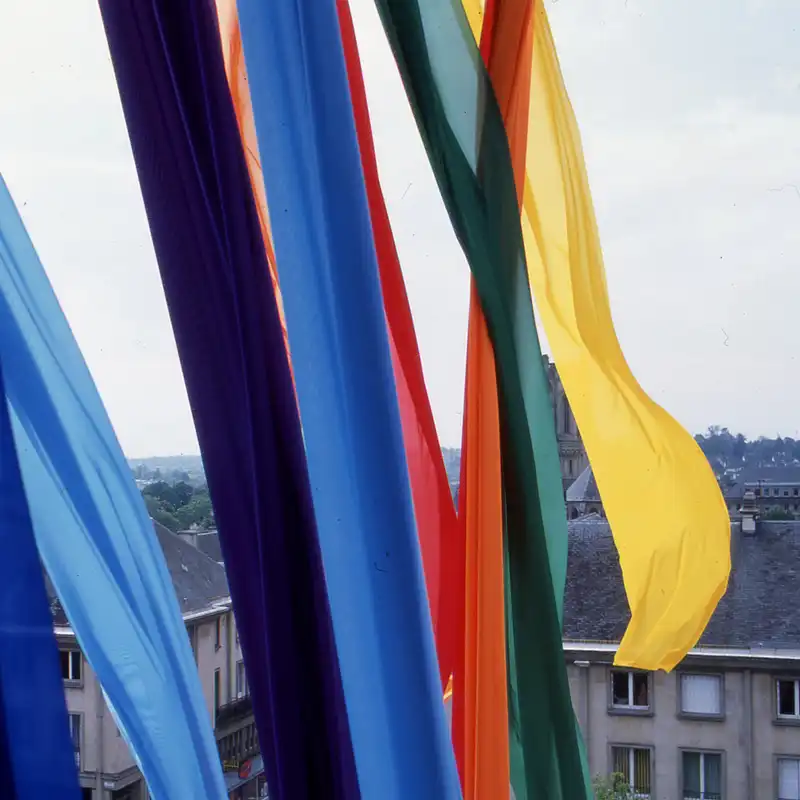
point(786, 699)
point(75, 664)
point(64, 655)
point(712, 764)
point(619, 688)
point(621, 761)
point(701, 694)
point(788, 779)
point(641, 771)
point(640, 689)
point(691, 774)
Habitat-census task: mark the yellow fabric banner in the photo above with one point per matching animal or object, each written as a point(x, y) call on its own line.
point(667, 514)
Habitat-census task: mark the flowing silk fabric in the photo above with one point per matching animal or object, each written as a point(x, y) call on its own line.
point(210, 252)
point(94, 536)
point(645, 464)
point(434, 510)
point(480, 735)
point(348, 402)
point(463, 131)
point(34, 714)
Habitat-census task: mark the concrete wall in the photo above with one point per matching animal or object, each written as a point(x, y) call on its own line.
point(748, 735)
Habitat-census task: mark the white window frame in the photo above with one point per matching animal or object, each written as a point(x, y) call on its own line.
point(72, 653)
point(796, 684)
point(630, 705)
point(703, 754)
point(242, 689)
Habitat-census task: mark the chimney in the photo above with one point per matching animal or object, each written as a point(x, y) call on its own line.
point(189, 536)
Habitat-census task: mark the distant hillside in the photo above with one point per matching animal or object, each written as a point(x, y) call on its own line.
point(170, 469)
point(728, 452)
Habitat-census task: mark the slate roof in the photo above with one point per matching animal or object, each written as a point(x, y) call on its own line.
point(584, 488)
point(768, 476)
point(758, 610)
point(208, 543)
point(198, 580)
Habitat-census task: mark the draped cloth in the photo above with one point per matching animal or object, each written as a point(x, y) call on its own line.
point(33, 715)
point(329, 279)
point(210, 248)
point(463, 131)
point(94, 536)
point(646, 465)
point(434, 511)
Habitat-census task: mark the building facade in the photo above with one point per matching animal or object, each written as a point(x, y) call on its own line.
point(571, 452)
point(107, 770)
point(725, 725)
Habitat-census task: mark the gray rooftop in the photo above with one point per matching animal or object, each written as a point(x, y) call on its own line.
point(764, 476)
point(584, 488)
point(199, 581)
point(758, 610)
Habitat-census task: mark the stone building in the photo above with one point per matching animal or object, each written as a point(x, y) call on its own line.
point(765, 490)
point(725, 725)
point(571, 452)
point(106, 768)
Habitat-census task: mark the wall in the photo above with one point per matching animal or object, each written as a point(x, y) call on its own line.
point(748, 744)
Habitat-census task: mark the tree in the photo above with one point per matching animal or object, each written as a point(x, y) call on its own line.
point(613, 787)
point(778, 514)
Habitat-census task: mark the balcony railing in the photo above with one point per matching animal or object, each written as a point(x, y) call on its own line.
point(702, 796)
point(235, 711)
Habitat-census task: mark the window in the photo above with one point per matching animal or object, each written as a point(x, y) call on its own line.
point(75, 735)
point(701, 695)
point(785, 492)
point(633, 763)
point(217, 698)
point(788, 699)
point(788, 779)
point(192, 631)
point(629, 690)
point(702, 776)
point(796, 491)
point(71, 665)
point(218, 634)
point(241, 680)
point(757, 492)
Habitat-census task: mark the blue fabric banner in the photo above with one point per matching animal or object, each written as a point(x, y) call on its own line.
point(348, 404)
point(93, 533)
point(34, 717)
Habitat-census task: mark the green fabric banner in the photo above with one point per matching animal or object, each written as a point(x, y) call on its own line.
point(463, 132)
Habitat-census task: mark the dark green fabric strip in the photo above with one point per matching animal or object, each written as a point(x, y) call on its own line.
point(463, 132)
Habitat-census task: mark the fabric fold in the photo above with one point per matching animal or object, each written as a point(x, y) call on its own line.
point(329, 278)
point(434, 510)
point(211, 255)
point(463, 131)
point(94, 536)
point(645, 463)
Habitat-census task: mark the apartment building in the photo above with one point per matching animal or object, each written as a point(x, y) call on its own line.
point(107, 770)
point(726, 724)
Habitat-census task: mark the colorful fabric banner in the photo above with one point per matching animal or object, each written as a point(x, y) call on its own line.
point(434, 510)
point(33, 715)
point(348, 402)
point(210, 251)
point(93, 533)
point(645, 464)
point(463, 131)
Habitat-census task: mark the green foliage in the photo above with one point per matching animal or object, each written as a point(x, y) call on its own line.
point(726, 450)
point(778, 514)
point(179, 506)
point(612, 787)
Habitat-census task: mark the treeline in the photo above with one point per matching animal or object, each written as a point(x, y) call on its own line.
point(726, 450)
point(179, 506)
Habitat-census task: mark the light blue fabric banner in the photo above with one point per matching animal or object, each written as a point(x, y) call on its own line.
point(348, 403)
point(94, 535)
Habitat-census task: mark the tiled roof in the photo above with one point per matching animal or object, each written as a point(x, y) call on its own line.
point(198, 580)
point(762, 475)
point(759, 608)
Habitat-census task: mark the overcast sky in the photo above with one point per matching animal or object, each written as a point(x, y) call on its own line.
point(690, 116)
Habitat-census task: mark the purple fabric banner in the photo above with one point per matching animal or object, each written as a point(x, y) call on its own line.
point(203, 220)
